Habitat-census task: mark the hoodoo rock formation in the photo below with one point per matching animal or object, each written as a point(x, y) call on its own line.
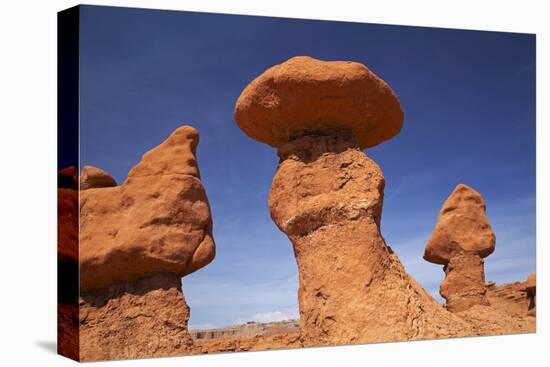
point(137, 240)
point(157, 221)
point(462, 237)
point(327, 197)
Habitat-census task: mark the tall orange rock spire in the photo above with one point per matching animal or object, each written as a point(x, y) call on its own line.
point(327, 197)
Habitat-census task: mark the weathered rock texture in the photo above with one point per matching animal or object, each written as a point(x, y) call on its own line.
point(157, 221)
point(512, 298)
point(67, 264)
point(460, 240)
point(136, 241)
point(308, 95)
point(327, 197)
point(507, 312)
point(143, 318)
point(93, 177)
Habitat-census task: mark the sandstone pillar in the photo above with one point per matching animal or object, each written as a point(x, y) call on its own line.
point(327, 197)
point(464, 283)
point(460, 240)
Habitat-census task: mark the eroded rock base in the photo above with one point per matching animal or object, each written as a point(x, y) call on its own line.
point(510, 311)
point(327, 197)
point(139, 319)
point(464, 284)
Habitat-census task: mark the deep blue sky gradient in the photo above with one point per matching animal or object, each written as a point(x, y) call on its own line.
point(469, 103)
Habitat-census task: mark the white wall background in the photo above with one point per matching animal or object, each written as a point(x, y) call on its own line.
point(28, 180)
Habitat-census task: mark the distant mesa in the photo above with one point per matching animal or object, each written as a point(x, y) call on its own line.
point(304, 96)
point(92, 177)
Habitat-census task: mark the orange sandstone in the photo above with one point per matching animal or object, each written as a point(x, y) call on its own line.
point(327, 197)
point(460, 240)
point(303, 95)
point(137, 241)
point(157, 221)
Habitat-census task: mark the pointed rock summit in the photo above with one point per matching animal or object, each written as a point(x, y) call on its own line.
point(136, 242)
point(157, 221)
point(462, 237)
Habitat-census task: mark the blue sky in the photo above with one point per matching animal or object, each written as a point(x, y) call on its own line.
point(469, 104)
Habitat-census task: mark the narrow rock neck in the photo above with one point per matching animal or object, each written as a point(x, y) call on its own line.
point(327, 198)
point(464, 283)
point(309, 147)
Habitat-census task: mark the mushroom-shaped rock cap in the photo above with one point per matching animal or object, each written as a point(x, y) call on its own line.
point(462, 226)
point(92, 177)
point(308, 95)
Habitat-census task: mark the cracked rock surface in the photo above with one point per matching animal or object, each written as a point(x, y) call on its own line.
point(144, 318)
point(327, 197)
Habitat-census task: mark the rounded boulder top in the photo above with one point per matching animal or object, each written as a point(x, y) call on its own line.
point(93, 177)
point(462, 226)
point(305, 95)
